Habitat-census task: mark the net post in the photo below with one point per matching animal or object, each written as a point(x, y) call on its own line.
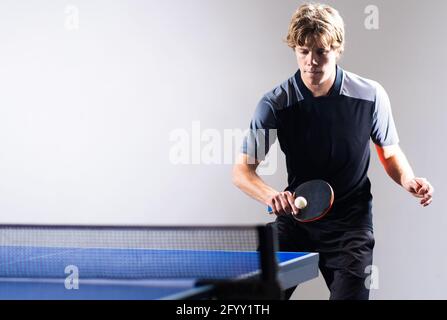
point(268, 246)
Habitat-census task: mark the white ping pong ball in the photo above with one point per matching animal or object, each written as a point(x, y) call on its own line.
point(301, 203)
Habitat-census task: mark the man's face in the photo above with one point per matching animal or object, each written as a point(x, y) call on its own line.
point(317, 64)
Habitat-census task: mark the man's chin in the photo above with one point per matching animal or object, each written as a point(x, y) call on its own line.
point(315, 79)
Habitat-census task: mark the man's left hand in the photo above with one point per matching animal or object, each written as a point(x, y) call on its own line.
point(420, 188)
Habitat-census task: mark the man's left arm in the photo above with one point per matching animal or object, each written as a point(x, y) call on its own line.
point(398, 168)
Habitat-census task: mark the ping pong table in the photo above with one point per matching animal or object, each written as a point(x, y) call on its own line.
point(39, 273)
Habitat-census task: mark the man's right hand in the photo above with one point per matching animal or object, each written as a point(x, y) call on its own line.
point(283, 203)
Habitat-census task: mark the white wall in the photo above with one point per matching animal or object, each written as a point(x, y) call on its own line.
point(91, 93)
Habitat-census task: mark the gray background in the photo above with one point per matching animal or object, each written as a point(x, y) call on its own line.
point(87, 116)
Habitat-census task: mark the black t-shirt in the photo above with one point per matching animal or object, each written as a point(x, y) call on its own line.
point(327, 138)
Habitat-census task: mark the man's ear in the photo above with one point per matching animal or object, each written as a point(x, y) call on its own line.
point(339, 53)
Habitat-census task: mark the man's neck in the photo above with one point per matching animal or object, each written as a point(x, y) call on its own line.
point(322, 89)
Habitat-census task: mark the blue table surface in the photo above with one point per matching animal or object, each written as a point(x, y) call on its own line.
point(113, 273)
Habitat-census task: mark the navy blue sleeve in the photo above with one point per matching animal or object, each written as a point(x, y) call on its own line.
point(383, 131)
point(262, 133)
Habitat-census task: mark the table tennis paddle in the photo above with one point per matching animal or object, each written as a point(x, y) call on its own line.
point(314, 199)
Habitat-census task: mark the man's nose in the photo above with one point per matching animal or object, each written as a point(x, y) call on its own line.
point(313, 58)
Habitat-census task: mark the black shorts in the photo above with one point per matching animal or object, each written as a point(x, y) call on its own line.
point(344, 255)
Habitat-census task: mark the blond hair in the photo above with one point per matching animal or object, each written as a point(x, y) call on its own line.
point(316, 24)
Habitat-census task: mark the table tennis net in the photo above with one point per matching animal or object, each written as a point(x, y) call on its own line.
point(128, 252)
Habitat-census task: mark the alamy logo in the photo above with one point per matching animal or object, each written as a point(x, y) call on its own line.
point(213, 146)
point(372, 280)
point(72, 280)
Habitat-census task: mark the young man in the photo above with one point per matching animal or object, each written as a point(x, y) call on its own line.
point(324, 118)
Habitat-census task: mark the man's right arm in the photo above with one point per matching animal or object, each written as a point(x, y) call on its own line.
point(244, 177)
